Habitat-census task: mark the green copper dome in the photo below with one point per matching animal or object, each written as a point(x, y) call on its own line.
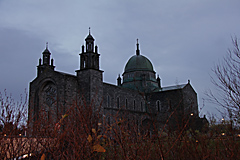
point(139, 74)
point(138, 63)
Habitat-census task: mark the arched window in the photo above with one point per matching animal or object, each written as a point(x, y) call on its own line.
point(90, 46)
point(48, 101)
point(158, 106)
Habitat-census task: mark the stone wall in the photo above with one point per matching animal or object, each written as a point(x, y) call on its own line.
point(126, 103)
point(51, 92)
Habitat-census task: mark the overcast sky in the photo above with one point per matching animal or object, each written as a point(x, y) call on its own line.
point(182, 38)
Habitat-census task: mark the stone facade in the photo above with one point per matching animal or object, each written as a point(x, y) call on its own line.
point(140, 93)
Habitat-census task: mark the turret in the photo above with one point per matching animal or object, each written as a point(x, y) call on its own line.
point(89, 59)
point(119, 80)
point(46, 61)
point(46, 56)
point(89, 42)
point(159, 82)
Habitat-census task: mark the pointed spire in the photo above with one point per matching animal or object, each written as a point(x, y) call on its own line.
point(46, 51)
point(89, 35)
point(52, 62)
point(137, 51)
point(40, 61)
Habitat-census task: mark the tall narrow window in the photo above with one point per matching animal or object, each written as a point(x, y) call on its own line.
point(144, 107)
point(118, 102)
point(141, 106)
point(170, 105)
point(126, 105)
point(158, 106)
point(108, 101)
point(134, 105)
point(84, 64)
point(93, 60)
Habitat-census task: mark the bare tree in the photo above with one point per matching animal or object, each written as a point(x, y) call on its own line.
point(227, 82)
point(13, 116)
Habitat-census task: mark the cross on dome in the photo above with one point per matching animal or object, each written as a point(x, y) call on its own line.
point(137, 51)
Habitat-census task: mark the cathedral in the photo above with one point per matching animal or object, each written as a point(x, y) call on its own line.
point(138, 90)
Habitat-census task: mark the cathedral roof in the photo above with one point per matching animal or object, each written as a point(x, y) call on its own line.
point(46, 51)
point(90, 37)
point(181, 86)
point(138, 63)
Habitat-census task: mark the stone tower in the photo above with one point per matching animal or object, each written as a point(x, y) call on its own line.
point(89, 76)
